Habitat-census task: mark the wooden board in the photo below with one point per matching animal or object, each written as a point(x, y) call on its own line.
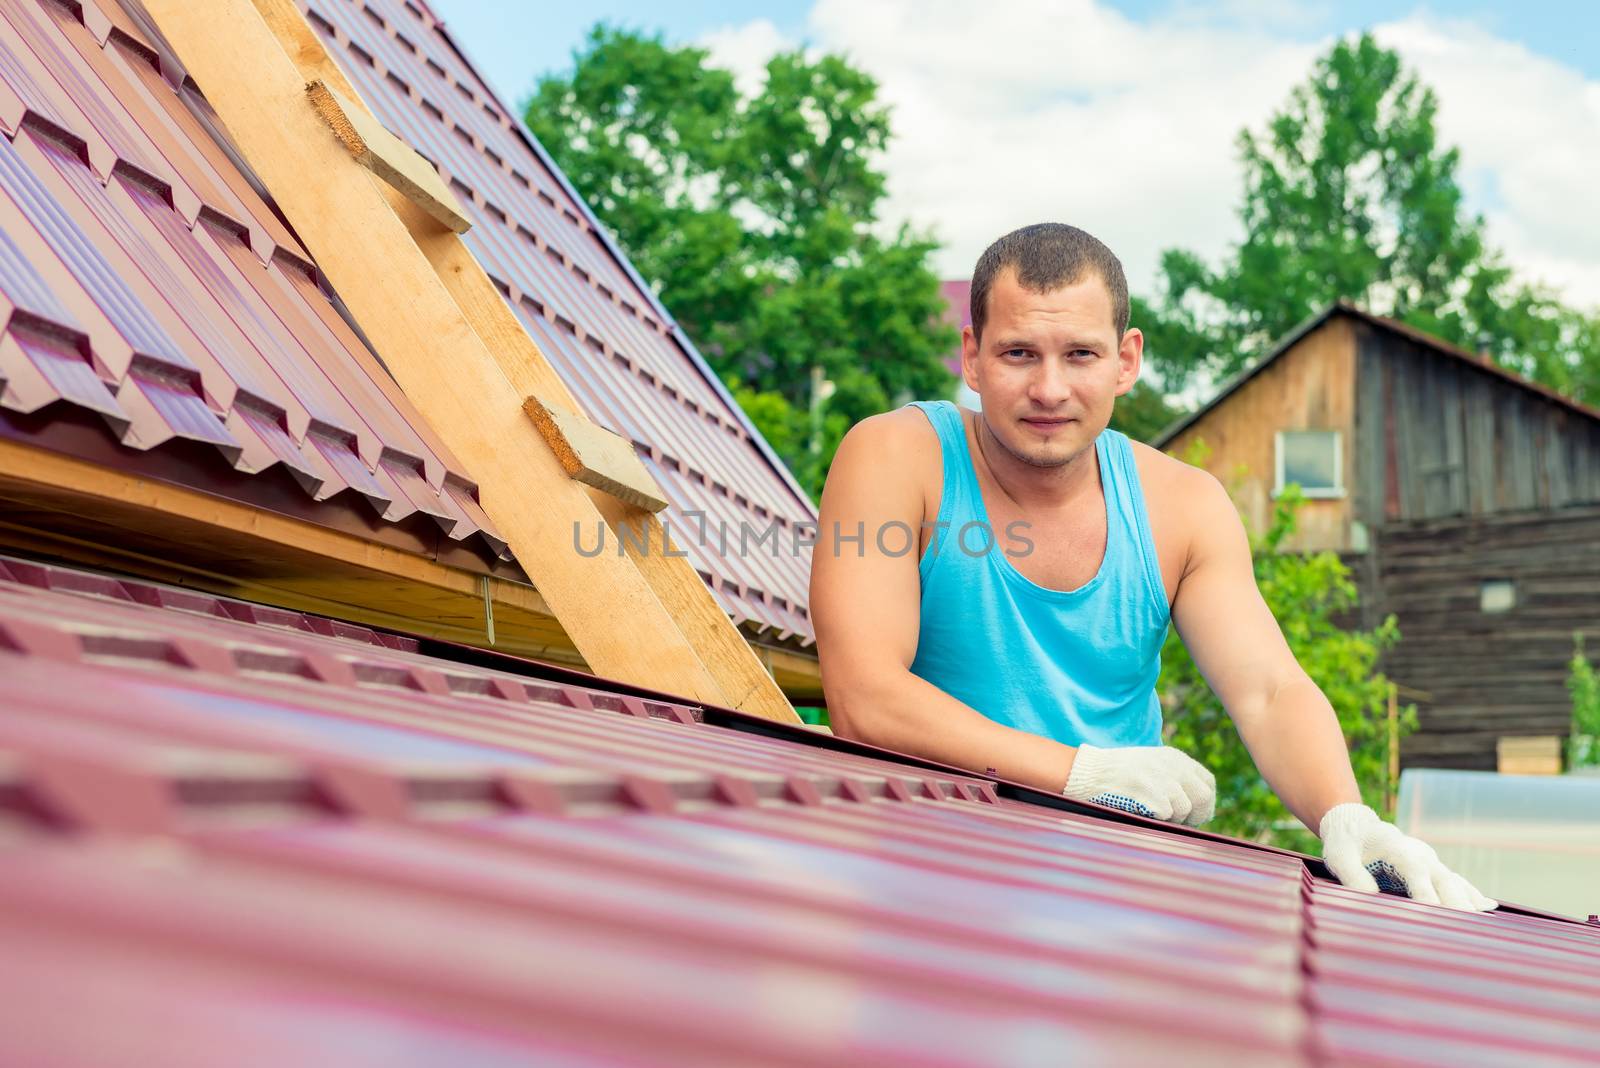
point(594, 455)
point(1538, 755)
point(61, 507)
point(385, 155)
point(342, 217)
point(725, 654)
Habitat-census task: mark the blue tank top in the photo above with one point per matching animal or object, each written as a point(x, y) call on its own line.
point(1074, 665)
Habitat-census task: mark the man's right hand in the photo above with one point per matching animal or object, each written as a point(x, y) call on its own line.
point(1156, 781)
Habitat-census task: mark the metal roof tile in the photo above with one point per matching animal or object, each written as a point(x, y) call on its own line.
point(473, 851)
point(163, 265)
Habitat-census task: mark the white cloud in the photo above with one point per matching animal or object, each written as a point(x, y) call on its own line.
point(1013, 111)
point(745, 49)
point(1532, 126)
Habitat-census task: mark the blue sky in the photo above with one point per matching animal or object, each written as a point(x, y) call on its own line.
point(1121, 115)
point(513, 42)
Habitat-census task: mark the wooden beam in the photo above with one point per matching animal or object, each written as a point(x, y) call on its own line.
point(342, 217)
point(594, 455)
point(67, 508)
point(390, 158)
point(724, 651)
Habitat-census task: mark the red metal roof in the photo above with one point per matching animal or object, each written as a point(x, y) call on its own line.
point(147, 289)
point(225, 827)
point(601, 328)
point(957, 293)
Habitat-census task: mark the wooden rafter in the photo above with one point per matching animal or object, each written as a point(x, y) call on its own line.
point(461, 356)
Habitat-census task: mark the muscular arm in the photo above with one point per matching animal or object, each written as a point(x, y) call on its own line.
point(1287, 724)
point(866, 604)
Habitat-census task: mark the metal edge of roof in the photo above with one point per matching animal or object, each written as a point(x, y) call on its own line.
point(1477, 361)
point(697, 360)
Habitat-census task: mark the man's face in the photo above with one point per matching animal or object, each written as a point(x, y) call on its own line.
point(1048, 367)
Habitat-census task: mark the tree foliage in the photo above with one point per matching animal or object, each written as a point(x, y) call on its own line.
point(1348, 194)
point(1308, 593)
point(1583, 683)
point(755, 217)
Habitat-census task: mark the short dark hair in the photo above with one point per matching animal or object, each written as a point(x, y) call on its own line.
point(1048, 256)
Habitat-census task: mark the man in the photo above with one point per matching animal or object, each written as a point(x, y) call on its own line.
point(1024, 632)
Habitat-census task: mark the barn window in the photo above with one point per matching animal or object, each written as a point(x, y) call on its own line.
point(1497, 595)
point(1313, 460)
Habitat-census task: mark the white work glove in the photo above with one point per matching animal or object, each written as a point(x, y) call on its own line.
point(1367, 854)
point(1156, 781)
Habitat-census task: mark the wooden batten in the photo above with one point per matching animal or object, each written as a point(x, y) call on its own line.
point(727, 656)
point(595, 456)
point(462, 357)
point(385, 155)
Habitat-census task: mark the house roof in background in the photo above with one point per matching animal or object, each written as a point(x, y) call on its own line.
point(1477, 361)
point(600, 326)
point(957, 295)
point(157, 316)
point(313, 837)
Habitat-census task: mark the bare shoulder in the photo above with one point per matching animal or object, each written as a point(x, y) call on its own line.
point(890, 462)
point(905, 430)
point(897, 448)
point(1169, 483)
point(1187, 507)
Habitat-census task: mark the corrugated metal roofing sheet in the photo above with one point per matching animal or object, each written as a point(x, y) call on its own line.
point(316, 843)
point(144, 280)
point(601, 329)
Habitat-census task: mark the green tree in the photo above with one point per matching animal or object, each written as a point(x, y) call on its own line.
point(756, 219)
point(1142, 412)
point(1583, 683)
point(1348, 194)
point(1307, 593)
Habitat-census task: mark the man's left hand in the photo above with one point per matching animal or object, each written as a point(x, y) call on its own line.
point(1361, 849)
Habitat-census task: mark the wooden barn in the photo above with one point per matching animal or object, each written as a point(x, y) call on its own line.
point(1465, 498)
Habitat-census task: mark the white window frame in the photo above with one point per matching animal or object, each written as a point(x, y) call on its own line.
point(1334, 492)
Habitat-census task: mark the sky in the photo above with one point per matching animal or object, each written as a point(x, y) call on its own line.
point(1120, 115)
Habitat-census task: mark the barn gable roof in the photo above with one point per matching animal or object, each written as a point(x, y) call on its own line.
point(1477, 361)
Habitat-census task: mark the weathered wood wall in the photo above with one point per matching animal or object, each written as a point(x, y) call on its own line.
point(1488, 674)
point(1310, 387)
point(1439, 437)
point(1455, 475)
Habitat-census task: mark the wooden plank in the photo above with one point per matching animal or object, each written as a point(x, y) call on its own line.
point(1408, 450)
point(1451, 417)
point(343, 219)
point(73, 509)
point(1521, 481)
point(1538, 755)
point(390, 158)
point(1427, 439)
point(1369, 423)
point(594, 455)
point(747, 684)
point(1556, 450)
point(1481, 459)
